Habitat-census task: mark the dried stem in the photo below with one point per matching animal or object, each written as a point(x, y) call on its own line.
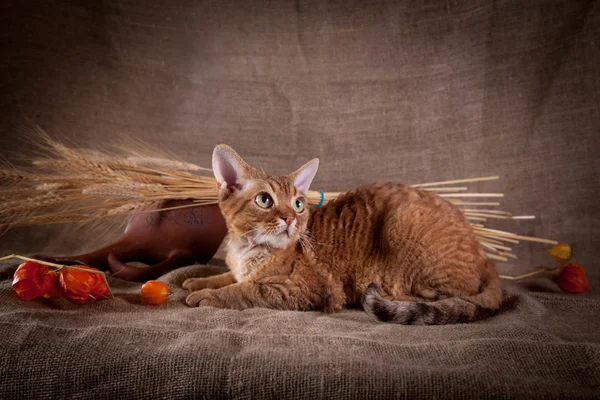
point(68, 184)
point(527, 275)
point(480, 179)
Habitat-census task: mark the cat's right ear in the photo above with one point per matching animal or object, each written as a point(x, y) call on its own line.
point(229, 168)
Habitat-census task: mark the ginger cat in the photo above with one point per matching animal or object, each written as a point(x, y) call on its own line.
point(406, 255)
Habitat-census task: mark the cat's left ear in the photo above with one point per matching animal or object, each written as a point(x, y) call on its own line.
point(304, 175)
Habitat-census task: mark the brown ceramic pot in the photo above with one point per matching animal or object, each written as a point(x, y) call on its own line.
point(164, 240)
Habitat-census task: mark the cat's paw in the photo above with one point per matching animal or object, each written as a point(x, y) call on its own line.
point(193, 284)
point(204, 298)
point(212, 282)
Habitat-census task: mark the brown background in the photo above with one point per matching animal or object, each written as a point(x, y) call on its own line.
point(408, 91)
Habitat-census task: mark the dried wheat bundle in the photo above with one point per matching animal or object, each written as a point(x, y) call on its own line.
point(495, 242)
point(69, 184)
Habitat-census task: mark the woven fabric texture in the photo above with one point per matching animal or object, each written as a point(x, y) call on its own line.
point(405, 91)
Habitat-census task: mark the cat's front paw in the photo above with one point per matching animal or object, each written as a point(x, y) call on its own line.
point(204, 298)
point(193, 284)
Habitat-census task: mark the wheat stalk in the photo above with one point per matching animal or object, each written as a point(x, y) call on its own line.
point(14, 175)
point(31, 203)
point(127, 190)
point(80, 185)
point(58, 218)
point(128, 208)
point(12, 193)
point(161, 163)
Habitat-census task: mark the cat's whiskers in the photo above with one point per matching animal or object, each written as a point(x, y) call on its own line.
point(312, 236)
point(305, 247)
point(249, 232)
point(243, 236)
point(309, 234)
point(261, 239)
point(306, 242)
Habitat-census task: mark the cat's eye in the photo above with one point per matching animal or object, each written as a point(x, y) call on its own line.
point(298, 205)
point(264, 200)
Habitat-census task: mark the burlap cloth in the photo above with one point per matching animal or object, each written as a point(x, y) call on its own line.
point(406, 91)
point(542, 345)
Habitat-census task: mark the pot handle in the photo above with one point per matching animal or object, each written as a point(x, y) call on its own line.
point(176, 258)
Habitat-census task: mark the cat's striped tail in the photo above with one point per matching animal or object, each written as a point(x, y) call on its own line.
point(447, 311)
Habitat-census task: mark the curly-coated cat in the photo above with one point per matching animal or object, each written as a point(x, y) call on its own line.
point(405, 254)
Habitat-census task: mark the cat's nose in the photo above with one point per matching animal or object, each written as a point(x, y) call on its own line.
point(287, 219)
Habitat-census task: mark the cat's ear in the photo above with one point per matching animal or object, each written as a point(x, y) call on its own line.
point(304, 175)
point(229, 168)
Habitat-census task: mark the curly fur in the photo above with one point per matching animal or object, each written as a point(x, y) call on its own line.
point(406, 255)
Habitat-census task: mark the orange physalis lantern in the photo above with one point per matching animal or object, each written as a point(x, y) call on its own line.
point(155, 292)
point(99, 290)
point(32, 280)
point(55, 291)
point(561, 252)
point(572, 279)
point(79, 286)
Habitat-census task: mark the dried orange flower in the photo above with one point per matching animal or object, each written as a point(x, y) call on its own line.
point(155, 292)
point(572, 279)
point(32, 280)
point(561, 252)
point(55, 291)
point(79, 286)
point(99, 290)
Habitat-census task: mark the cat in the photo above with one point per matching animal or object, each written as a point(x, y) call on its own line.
point(405, 254)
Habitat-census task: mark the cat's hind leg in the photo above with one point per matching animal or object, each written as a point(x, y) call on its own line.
point(432, 253)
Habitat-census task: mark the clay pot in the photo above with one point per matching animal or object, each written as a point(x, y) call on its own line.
point(164, 240)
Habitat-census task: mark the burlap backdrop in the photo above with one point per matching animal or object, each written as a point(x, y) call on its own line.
point(401, 91)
